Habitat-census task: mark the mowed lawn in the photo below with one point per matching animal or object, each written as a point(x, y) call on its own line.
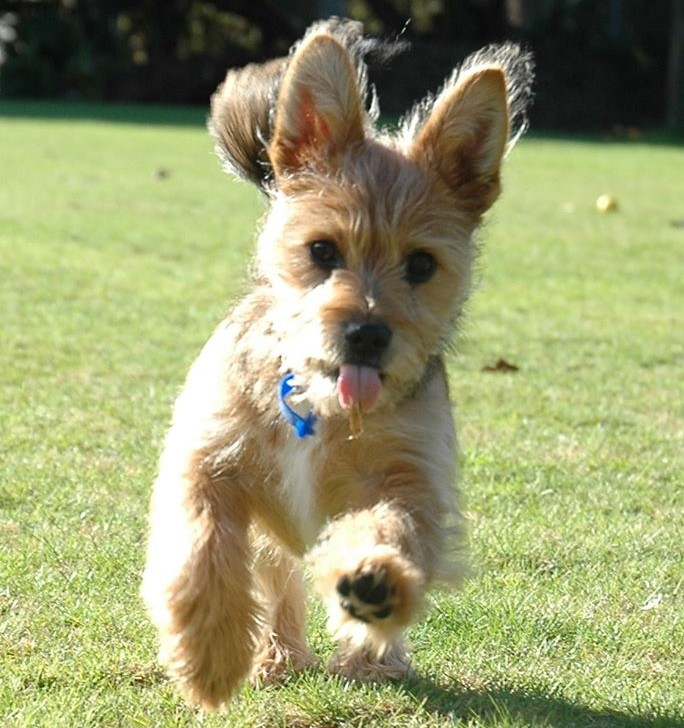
point(122, 244)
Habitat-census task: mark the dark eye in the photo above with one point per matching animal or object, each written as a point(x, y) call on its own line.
point(420, 267)
point(325, 255)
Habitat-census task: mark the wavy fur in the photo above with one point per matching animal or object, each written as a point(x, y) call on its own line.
point(365, 232)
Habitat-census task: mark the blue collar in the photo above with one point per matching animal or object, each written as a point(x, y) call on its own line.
point(303, 425)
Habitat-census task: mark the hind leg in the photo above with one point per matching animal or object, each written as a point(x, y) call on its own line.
point(198, 583)
point(281, 591)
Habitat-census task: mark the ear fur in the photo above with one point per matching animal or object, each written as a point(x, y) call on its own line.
point(243, 108)
point(320, 108)
point(282, 114)
point(465, 136)
point(465, 132)
point(240, 120)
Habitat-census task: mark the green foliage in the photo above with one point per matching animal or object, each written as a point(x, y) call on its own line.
point(600, 63)
point(122, 244)
point(56, 49)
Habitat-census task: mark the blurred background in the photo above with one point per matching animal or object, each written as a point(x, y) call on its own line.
point(614, 66)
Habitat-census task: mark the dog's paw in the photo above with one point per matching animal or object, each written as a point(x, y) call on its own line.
point(383, 588)
point(368, 594)
point(366, 665)
point(277, 661)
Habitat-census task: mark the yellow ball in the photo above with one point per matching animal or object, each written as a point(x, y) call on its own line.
point(606, 203)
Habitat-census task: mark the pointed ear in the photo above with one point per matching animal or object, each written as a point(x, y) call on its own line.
point(240, 119)
point(319, 110)
point(465, 134)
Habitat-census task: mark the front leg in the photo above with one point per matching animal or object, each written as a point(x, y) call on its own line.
point(198, 582)
point(372, 567)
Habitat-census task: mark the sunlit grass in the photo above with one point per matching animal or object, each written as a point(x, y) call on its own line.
point(122, 244)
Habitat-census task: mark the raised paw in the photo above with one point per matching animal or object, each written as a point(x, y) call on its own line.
point(368, 594)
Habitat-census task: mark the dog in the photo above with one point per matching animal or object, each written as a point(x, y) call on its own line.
point(315, 427)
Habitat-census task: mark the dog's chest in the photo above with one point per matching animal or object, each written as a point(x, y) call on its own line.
point(299, 465)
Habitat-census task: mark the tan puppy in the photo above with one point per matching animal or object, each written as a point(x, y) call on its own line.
point(362, 269)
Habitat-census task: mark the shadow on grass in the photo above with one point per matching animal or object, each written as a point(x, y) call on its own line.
point(492, 707)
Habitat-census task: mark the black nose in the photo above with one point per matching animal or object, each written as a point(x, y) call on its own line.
point(366, 342)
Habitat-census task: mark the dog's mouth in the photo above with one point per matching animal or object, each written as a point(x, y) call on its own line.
point(358, 387)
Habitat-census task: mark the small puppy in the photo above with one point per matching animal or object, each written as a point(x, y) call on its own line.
point(316, 422)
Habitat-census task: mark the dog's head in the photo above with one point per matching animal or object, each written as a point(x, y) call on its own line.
point(368, 242)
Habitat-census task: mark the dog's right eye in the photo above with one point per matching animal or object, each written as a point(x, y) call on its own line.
point(325, 255)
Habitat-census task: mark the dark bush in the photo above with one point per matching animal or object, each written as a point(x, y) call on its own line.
point(600, 62)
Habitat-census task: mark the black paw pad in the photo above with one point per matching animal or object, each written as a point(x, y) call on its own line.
point(384, 612)
point(344, 586)
point(366, 596)
point(368, 591)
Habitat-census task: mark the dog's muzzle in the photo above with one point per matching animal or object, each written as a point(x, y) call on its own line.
point(359, 383)
point(365, 343)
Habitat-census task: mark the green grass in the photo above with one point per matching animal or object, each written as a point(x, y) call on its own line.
point(112, 277)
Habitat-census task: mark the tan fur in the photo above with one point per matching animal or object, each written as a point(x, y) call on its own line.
point(240, 501)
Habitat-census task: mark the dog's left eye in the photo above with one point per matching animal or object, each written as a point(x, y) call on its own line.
point(420, 267)
point(325, 254)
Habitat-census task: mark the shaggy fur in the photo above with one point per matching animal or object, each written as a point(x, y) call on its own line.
point(361, 272)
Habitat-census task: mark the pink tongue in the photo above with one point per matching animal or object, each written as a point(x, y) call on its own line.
point(358, 385)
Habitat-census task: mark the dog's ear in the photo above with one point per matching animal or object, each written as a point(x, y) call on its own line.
point(240, 119)
point(465, 132)
point(320, 109)
point(464, 137)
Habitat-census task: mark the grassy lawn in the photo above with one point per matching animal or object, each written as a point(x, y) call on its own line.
point(122, 244)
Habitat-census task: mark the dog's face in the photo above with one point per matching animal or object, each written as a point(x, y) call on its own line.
point(368, 242)
point(371, 266)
